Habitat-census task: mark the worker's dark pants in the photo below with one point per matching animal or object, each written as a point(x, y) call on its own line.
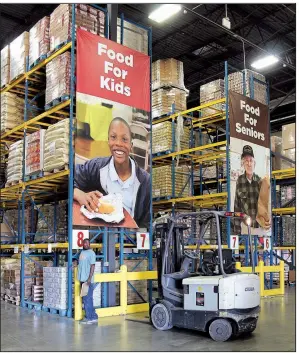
point(90, 313)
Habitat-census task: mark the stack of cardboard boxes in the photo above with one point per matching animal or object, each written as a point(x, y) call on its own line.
point(39, 40)
point(14, 164)
point(5, 66)
point(169, 92)
point(12, 111)
point(162, 182)
point(58, 77)
point(165, 137)
point(288, 145)
point(19, 51)
point(55, 287)
point(87, 18)
point(209, 92)
point(34, 152)
point(134, 37)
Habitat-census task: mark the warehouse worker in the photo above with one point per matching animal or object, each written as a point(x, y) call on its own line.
point(247, 190)
point(118, 173)
point(87, 260)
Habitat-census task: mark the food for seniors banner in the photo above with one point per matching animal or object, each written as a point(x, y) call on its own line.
point(250, 172)
point(112, 143)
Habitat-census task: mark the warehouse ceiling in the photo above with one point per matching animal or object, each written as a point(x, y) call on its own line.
point(195, 36)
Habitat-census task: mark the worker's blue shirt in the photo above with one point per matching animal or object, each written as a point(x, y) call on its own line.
point(126, 188)
point(86, 259)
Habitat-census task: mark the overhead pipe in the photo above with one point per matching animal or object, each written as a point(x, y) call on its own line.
point(238, 36)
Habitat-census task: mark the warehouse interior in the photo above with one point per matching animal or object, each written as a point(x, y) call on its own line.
point(198, 61)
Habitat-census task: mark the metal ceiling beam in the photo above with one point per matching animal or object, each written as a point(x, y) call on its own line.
point(283, 99)
point(19, 21)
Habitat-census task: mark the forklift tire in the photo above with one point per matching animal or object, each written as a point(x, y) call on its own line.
point(161, 316)
point(220, 330)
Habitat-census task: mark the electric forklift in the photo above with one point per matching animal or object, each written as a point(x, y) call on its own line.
point(214, 297)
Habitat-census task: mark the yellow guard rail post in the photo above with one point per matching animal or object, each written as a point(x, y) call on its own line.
point(262, 269)
point(123, 276)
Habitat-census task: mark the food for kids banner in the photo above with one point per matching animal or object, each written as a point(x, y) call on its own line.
point(112, 143)
point(250, 164)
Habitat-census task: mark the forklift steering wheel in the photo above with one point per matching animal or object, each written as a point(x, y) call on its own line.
point(192, 254)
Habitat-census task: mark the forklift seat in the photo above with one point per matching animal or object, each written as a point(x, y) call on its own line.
point(183, 273)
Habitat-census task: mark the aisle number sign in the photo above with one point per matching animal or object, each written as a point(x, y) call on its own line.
point(78, 237)
point(143, 241)
point(267, 243)
point(234, 242)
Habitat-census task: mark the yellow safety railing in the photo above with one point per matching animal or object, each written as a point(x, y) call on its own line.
point(122, 276)
point(262, 270)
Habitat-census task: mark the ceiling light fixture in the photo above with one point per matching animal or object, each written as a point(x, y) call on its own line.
point(165, 11)
point(264, 62)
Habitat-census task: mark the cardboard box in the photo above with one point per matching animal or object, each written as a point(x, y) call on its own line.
point(289, 136)
point(292, 276)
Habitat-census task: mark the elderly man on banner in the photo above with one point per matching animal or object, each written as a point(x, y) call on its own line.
point(252, 196)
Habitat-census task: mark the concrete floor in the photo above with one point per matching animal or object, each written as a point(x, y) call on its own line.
point(27, 330)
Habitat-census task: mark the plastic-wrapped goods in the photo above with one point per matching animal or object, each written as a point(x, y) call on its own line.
point(19, 50)
point(45, 224)
point(58, 77)
point(12, 111)
point(290, 154)
point(289, 136)
point(287, 233)
point(3, 165)
point(287, 194)
point(168, 72)
point(61, 215)
point(55, 287)
point(56, 153)
point(39, 40)
point(165, 99)
point(5, 66)
point(14, 164)
point(276, 147)
point(209, 92)
point(34, 152)
point(162, 182)
point(259, 90)
point(163, 136)
point(87, 18)
point(134, 37)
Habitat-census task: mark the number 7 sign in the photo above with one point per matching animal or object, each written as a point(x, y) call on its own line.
point(143, 241)
point(234, 242)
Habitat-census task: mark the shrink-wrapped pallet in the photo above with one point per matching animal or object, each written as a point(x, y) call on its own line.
point(14, 164)
point(164, 137)
point(19, 51)
point(162, 182)
point(209, 92)
point(39, 40)
point(58, 77)
point(291, 155)
point(56, 153)
point(287, 234)
point(55, 283)
point(242, 83)
point(165, 99)
point(134, 37)
point(3, 164)
point(87, 18)
point(34, 152)
point(276, 147)
point(5, 66)
point(288, 195)
point(12, 111)
point(168, 73)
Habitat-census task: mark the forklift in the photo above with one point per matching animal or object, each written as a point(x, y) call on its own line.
point(203, 290)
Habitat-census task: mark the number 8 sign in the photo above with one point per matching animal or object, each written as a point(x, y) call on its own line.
point(78, 237)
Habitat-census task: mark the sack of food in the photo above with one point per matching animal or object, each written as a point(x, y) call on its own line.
point(110, 209)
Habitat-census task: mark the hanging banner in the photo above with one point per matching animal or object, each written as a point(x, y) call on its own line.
point(112, 144)
point(250, 164)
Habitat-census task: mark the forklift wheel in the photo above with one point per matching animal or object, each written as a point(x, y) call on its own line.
point(220, 330)
point(161, 317)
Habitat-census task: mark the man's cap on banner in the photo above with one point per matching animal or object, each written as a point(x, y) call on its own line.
point(247, 150)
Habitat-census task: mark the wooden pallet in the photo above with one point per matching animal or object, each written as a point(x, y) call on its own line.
point(36, 175)
point(56, 102)
point(60, 169)
point(12, 299)
point(12, 183)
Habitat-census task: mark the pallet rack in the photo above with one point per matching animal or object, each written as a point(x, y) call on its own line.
point(55, 186)
point(214, 124)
